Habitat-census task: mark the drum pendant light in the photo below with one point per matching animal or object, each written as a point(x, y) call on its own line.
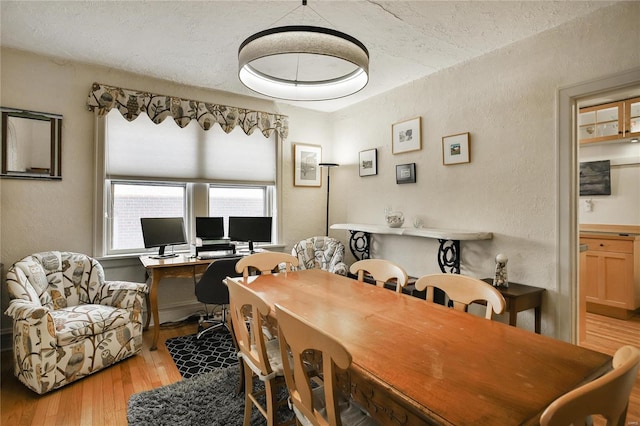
point(303, 63)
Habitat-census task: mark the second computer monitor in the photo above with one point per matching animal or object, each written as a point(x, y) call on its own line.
point(250, 229)
point(210, 228)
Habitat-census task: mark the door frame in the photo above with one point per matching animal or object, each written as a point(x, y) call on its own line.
point(567, 169)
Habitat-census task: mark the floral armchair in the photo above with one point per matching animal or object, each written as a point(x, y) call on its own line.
point(68, 322)
point(321, 253)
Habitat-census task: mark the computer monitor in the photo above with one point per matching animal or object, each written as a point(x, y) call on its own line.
point(210, 228)
point(161, 232)
point(250, 229)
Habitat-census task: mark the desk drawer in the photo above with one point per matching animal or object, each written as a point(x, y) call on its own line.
point(599, 244)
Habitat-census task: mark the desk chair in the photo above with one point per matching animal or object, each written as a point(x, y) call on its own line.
point(211, 290)
point(607, 395)
point(381, 271)
point(463, 290)
point(321, 405)
point(261, 357)
point(265, 262)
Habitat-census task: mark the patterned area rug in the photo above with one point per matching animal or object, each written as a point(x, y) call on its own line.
point(214, 350)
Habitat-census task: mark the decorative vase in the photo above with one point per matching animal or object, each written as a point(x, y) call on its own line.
point(394, 219)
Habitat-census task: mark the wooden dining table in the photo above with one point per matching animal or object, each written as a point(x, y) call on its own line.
point(417, 363)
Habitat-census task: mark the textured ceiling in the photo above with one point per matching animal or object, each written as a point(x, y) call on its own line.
point(196, 42)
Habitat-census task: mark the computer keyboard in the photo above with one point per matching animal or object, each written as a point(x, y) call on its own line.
point(217, 255)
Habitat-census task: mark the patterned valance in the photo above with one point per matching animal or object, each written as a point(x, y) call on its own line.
point(131, 103)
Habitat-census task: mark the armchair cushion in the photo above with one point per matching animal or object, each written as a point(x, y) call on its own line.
point(321, 253)
point(68, 321)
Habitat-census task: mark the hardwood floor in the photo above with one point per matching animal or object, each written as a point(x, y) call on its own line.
point(101, 399)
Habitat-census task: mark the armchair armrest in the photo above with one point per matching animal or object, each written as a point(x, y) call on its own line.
point(24, 310)
point(122, 294)
point(340, 268)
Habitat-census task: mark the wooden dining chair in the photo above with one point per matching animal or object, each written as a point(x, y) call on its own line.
point(607, 395)
point(265, 262)
point(381, 271)
point(260, 356)
point(315, 405)
point(462, 291)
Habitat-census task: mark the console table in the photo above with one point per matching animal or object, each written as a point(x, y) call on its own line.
point(449, 239)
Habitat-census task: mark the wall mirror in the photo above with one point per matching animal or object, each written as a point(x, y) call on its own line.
point(31, 144)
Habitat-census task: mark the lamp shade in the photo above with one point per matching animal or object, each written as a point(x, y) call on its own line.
point(303, 63)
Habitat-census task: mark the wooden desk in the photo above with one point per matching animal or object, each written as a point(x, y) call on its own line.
point(421, 363)
point(182, 266)
point(520, 297)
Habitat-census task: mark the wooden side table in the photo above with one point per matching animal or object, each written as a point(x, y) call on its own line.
point(520, 297)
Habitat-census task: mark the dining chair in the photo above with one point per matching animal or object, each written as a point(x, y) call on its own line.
point(381, 271)
point(260, 356)
point(313, 404)
point(265, 262)
point(462, 291)
point(607, 395)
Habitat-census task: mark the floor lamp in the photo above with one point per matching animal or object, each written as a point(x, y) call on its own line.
point(328, 166)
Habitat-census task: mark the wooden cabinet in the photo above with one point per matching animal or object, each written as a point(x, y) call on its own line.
point(609, 122)
point(611, 276)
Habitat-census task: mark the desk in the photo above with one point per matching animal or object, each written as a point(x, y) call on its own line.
point(520, 297)
point(422, 363)
point(181, 266)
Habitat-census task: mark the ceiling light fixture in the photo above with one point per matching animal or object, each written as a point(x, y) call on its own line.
point(303, 63)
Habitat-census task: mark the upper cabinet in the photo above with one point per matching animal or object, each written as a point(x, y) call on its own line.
point(609, 122)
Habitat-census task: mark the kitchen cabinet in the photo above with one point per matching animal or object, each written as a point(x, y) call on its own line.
point(611, 275)
point(609, 122)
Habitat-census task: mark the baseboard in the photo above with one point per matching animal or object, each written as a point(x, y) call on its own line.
point(178, 312)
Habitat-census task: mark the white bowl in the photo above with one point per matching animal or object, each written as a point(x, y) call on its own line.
point(395, 219)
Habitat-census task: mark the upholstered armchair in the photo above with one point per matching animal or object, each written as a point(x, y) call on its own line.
point(321, 253)
point(68, 322)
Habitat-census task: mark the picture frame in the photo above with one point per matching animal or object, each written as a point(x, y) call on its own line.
point(455, 149)
point(406, 173)
point(368, 162)
point(306, 169)
point(406, 136)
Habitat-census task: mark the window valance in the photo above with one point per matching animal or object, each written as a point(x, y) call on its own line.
point(131, 103)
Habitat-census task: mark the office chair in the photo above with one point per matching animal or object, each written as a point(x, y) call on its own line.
point(211, 290)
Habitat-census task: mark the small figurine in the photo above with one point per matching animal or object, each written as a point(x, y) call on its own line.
point(500, 279)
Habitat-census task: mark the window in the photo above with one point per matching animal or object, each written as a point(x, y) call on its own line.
point(132, 201)
point(149, 170)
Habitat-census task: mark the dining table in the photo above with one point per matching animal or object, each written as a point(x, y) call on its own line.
point(416, 362)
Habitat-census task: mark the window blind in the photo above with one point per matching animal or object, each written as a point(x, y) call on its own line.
point(145, 150)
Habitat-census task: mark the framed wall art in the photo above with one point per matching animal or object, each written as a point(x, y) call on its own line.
point(406, 173)
point(306, 160)
point(406, 136)
point(368, 162)
point(455, 149)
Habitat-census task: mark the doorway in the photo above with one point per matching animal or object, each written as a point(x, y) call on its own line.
point(568, 195)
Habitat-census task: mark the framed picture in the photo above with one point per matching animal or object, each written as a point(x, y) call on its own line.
point(406, 136)
point(306, 160)
point(455, 149)
point(368, 161)
point(406, 173)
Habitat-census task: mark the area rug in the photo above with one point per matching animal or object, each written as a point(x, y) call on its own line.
point(214, 350)
point(207, 399)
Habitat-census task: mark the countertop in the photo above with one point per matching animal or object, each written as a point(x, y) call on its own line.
point(618, 230)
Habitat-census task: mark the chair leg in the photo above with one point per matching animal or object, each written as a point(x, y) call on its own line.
point(248, 387)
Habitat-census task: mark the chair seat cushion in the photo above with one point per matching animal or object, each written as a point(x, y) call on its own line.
point(76, 323)
point(275, 359)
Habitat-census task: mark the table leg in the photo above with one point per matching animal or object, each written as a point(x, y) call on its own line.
point(153, 306)
point(538, 318)
point(513, 315)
